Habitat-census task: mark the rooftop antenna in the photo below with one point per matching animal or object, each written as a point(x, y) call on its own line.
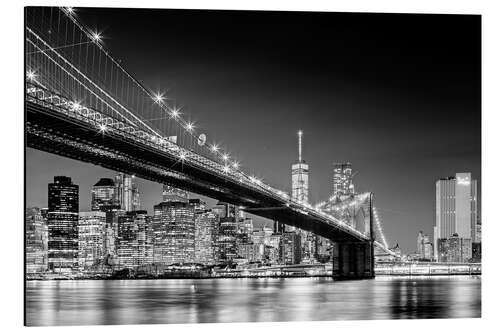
point(300, 146)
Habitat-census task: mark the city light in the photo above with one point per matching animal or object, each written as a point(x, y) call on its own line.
point(30, 75)
point(158, 98)
point(214, 148)
point(174, 113)
point(96, 36)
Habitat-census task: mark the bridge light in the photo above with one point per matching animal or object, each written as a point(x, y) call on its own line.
point(30, 75)
point(102, 128)
point(182, 156)
point(236, 165)
point(158, 98)
point(214, 148)
point(70, 10)
point(76, 106)
point(174, 113)
point(189, 127)
point(96, 36)
point(225, 157)
point(226, 168)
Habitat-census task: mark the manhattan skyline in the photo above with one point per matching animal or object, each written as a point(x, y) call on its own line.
point(402, 105)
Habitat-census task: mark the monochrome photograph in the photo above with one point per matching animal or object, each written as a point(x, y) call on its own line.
point(188, 166)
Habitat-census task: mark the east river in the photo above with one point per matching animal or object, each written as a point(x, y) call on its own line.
point(101, 302)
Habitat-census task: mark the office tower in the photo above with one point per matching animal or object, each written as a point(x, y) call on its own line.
point(62, 221)
point(36, 241)
point(174, 194)
point(103, 194)
point(125, 192)
point(91, 240)
point(290, 248)
point(228, 230)
point(174, 231)
point(300, 177)
point(342, 179)
point(134, 244)
point(136, 200)
point(456, 209)
point(420, 244)
point(454, 249)
point(205, 233)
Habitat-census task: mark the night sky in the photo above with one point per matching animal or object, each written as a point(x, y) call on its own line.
point(397, 95)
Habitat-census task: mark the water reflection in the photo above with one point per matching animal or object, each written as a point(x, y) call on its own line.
point(249, 300)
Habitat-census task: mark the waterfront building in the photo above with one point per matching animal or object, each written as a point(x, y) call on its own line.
point(424, 247)
point(227, 249)
point(290, 248)
point(36, 241)
point(454, 249)
point(103, 194)
point(174, 233)
point(476, 252)
point(323, 249)
point(134, 240)
point(205, 233)
point(91, 240)
point(342, 179)
point(62, 221)
point(456, 209)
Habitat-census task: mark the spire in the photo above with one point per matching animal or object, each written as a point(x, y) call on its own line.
point(300, 145)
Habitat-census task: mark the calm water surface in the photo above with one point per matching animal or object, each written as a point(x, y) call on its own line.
point(249, 300)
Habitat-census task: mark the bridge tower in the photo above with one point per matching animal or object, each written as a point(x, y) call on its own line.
point(355, 259)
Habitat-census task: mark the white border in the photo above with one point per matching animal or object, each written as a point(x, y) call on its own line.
point(11, 236)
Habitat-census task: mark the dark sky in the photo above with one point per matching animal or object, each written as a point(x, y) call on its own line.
point(397, 95)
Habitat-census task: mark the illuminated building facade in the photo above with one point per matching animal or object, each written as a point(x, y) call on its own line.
point(454, 249)
point(456, 209)
point(227, 249)
point(91, 240)
point(342, 179)
point(127, 192)
point(174, 233)
point(205, 233)
point(36, 241)
point(290, 249)
point(300, 177)
point(134, 244)
point(62, 221)
point(103, 194)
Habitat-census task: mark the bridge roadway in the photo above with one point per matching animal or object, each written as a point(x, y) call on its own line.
point(55, 125)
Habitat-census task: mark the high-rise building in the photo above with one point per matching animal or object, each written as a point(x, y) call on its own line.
point(227, 249)
point(454, 249)
point(91, 240)
point(290, 248)
point(103, 194)
point(126, 192)
point(62, 221)
point(36, 241)
point(456, 209)
point(300, 177)
point(205, 233)
point(134, 244)
point(342, 179)
point(174, 233)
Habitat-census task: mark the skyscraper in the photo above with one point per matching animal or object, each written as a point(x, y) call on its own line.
point(290, 250)
point(62, 221)
point(300, 177)
point(134, 244)
point(91, 240)
point(103, 194)
point(127, 193)
point(456, 210)
point(36, 241)
point(174, 230)
point(205, 237)
point(227, 249)
point(342, 179)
